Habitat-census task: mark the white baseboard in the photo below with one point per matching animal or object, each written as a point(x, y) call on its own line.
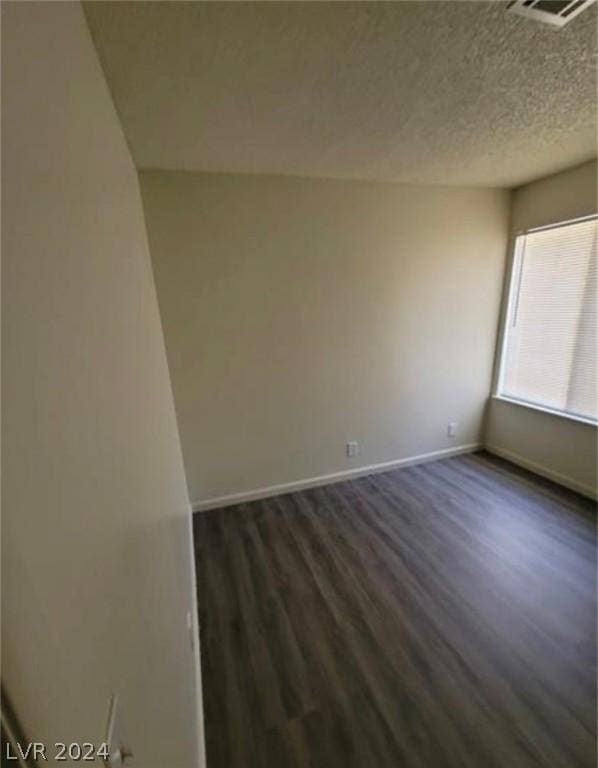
point(335, 477)
point(540, 469)
point(196, 629)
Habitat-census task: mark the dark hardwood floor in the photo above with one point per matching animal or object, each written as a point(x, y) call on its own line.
point(437, 615)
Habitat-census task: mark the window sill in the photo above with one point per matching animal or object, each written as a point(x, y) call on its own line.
point(543, 409)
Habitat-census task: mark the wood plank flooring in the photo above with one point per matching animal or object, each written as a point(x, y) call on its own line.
point(437, 615)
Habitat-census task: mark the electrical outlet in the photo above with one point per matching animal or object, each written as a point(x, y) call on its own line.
point(352, 449)
point(452, 429)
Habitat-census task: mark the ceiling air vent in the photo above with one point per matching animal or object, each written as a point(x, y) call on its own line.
point(554, 12)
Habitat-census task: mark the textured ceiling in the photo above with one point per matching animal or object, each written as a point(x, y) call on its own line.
point(418, 92)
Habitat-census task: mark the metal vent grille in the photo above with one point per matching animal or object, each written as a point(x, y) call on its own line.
point(554, 12)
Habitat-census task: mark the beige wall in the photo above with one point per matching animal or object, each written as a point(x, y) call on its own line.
point(96, 569)
point(300, 314)
point(558, 447)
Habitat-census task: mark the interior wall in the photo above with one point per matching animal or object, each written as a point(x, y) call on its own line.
point(96, 549)
point(300, 314)
point(560, 448)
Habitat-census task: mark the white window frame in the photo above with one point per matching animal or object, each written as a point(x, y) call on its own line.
point(513, 285)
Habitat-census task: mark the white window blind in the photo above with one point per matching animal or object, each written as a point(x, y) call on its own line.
point(549, 352)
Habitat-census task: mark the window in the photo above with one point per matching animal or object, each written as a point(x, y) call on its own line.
point(549, 343)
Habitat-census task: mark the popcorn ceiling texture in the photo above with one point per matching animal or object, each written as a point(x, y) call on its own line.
point(417, 92)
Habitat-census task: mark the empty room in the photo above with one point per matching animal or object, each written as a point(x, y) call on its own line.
point(299, 383)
